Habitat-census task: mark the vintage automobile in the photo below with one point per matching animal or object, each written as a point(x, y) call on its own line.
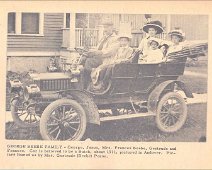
point(64, 110)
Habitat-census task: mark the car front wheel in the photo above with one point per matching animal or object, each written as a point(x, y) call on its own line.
point(63, 119)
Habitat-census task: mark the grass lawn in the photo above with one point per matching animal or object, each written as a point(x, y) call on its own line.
point(137, 130)
point(202, 69)
point(195, 83)
point(144, 129)
point(199, 66)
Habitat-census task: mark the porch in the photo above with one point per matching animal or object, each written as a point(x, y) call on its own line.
point(76, 34)
point(89, 37)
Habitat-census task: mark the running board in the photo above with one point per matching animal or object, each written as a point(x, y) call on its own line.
point(126, 116)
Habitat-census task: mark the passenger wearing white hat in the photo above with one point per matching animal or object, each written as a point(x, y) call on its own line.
point(124, 51)
point(122, 55)
point(177, 37)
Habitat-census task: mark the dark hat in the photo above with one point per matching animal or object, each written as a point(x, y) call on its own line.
point(157, 25)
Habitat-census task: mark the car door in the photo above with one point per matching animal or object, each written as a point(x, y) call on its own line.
point(123, 77)
point(146, 77)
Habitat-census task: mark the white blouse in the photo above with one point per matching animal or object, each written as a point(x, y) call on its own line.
point(144, 45)
point(174, 48)
point(152, 56)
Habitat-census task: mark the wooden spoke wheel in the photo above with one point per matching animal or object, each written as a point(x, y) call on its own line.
point(63, 119)
point(23, 114)
point(171, 112)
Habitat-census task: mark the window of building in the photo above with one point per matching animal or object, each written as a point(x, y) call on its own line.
point(30, 23)
point(25, 24)
point(11, 22)
point(67, 20)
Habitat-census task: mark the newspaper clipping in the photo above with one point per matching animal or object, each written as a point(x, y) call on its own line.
point(105, 85)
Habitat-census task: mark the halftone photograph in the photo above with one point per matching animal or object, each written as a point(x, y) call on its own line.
point(106, 77)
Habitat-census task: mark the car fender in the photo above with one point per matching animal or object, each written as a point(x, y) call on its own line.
point(86, 100)
point(155, 95)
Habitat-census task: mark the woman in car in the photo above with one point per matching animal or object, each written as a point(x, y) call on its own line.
point(177, 37)
point(152, 28)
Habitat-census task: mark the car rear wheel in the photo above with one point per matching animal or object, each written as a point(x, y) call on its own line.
point(63, 119)
point(23, 114)
point(171, 112)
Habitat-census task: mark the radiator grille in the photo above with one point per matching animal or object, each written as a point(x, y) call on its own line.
point(53, 85)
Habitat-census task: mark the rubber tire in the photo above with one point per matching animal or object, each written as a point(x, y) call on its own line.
point(183, 119)
point(16, 118)
point(54, 105)
point(92, 130)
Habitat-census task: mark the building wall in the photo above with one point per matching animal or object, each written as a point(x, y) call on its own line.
point(39, 64)
point(194, 26)
point(51, 41)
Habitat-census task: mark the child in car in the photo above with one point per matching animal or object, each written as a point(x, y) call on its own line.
point(153, 54)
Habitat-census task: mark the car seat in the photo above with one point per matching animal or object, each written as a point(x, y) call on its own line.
point(135, 55)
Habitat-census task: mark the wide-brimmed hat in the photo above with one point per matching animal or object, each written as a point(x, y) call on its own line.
point(157, 25)
point(129, 36)
point(177, 32)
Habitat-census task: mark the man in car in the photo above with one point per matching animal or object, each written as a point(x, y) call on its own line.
point(106, 48)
